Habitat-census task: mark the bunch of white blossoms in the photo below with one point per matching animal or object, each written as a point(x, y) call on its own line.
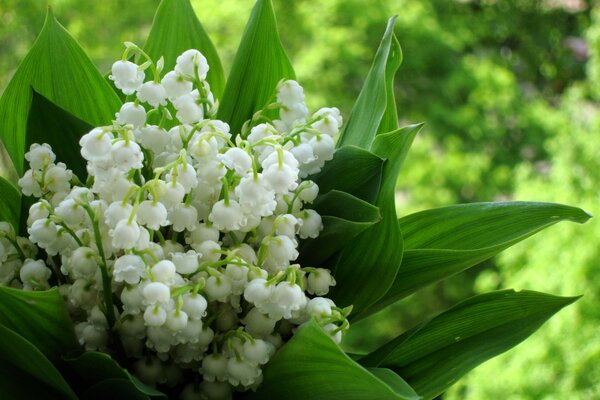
point(179, 250)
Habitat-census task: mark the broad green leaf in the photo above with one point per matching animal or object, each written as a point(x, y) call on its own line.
point(48, 123)
point(434, 355)
point(344, 217)
point(57, 68)
point(375, 110)
point(95, 368)
point(175, 29)
point(22, 356)
point(441, 242)
point(312, 367)
point(22, 386)
point(394, 380)
point(41, 318)
point(259, 64)
point(369, 263)
point(352, 170)
point(10, 199)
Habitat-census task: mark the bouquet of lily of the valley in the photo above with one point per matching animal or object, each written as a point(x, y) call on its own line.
point(175, 236)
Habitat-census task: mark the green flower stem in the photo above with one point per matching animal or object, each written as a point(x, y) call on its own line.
point(106, 280)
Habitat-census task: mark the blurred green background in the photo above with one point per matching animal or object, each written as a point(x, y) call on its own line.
point(510, 93)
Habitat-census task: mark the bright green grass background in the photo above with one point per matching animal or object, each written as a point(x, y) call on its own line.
point(510, 94)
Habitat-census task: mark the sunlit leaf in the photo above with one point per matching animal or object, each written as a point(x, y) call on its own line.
point(57, 68)
point(312, 367)
point(259, 64)
point(176, 29)
point(352, 170)
point(375, 110)
point(441, 242)
point(41, 318)
point(25, 358)
point(434, 355)
point(369, 263)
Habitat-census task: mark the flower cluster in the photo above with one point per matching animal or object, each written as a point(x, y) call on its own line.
point(179, 250)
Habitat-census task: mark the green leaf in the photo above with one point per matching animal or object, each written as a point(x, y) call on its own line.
point(368, 264)
point(57, 68)
point(259, 64)
point(95, 368)
point(10, 203)
point(344, 217)
point(353, 170)
point(175, 29)
point(114, 389)
point(444, 241)
point(41, 318)
point(12, 380)
point(24, 357)
point(48, 123)
point(434, 355)
point(395, 382)
point(375, 110)
point(312, 367)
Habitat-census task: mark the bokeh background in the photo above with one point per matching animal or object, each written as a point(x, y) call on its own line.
point(510, 93)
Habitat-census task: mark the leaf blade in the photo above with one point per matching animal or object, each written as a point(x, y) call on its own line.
point(59, 69)
point(445, 241)
point(175, 29)
point(24, 356)
point(41, 318)
point(362, 179)
point(375, 109)
point(434, 355)
point(259, 64)
point(312, 367)
point(367, 266)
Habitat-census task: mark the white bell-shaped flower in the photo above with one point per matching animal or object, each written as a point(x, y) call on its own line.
point(164, 271)
point(237, 159)
point(194, 305)
point(320, 281)
point(96, 144)
point(58, 178)
point(312, 224)
point(192, 62)
point(34, 274)
point(125, 234)
point(40, 156)
point(133, 114)
point(186, 263)
point(241, 372)
point(129, 268)
point(183, 216)
point(227, 217)
point(214, 367)
point(152, 93)
point(116, 212)
point(176, 85)
point(189, 110)
point(127, 155)
point(154, 138)
point(255, 196)
point(126, 76)
point(257, 351)
point(152, 214)
point(29, 184)
point(280, 251)
point(290, 93)
point(177, 320)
